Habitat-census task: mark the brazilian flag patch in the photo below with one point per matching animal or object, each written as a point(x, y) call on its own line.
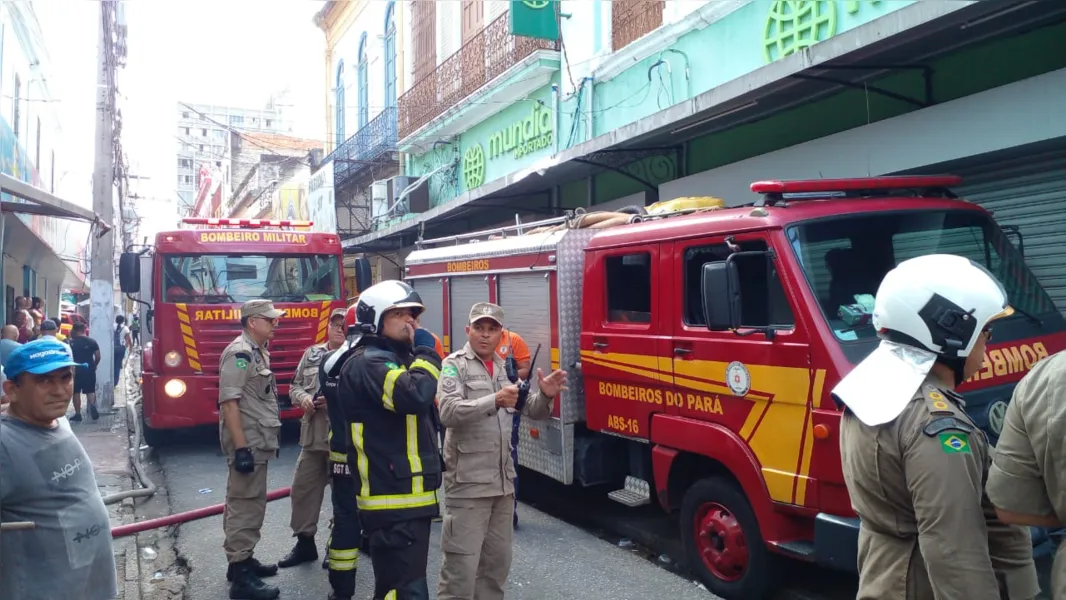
point(955, 443)
point(449, 371)
point(242, 364)
point(392, 365)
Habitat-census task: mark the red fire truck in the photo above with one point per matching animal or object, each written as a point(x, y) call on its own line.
point(702, 346)
point(191, 285)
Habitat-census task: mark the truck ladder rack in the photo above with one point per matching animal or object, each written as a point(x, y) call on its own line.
point(571, 218)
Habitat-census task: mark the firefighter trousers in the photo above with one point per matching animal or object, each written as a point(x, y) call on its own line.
point(308, 490)
point(345, 534)
point(399, 553)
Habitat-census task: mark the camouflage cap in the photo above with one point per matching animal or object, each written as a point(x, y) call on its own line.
point(260, 307)
point(486, 310)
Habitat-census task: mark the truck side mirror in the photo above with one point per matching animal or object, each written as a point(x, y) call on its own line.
point(1014, 234)
point(721, 295)
point(364, 278)
point(129, 273)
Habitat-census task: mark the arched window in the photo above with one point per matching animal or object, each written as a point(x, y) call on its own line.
point(338, 126)
point(364, 95)
point(390, 55)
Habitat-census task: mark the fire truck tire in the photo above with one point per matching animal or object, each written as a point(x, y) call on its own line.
point(722, 542)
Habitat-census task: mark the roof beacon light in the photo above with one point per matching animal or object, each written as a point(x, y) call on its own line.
point(244, 223)
point(806, 186)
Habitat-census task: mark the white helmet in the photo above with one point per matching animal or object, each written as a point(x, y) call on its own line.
point(939, 303)
point(378, 299)
point(928, 309)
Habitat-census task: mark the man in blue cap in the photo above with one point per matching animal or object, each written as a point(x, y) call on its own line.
point(46, 477)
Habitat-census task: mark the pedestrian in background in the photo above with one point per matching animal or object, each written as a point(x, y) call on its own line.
point(249, 431)
point(513, 347)
point(46, 477)
point(312, 467)
point(478, 479)
point(122, 341)
point(86, 353)
point(135, 330)
point(9, 337)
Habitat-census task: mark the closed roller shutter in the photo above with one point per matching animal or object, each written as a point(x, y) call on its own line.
point(465, 292)
point(432, 293)
point(1033, 197)
point(526, 305)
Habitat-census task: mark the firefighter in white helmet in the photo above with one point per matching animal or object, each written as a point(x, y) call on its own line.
point(388, 380)
point(914, 462)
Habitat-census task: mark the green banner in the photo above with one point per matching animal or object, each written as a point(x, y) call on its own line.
point(535, 19)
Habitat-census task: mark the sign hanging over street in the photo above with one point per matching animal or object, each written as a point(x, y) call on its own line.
point(535, 19)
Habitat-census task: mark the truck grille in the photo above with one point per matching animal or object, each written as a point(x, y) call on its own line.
point(291, 339)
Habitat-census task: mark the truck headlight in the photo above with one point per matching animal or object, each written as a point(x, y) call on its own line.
point(175, 388)
point(172, 359)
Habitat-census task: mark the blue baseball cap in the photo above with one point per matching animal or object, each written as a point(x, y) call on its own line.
point(37, 357)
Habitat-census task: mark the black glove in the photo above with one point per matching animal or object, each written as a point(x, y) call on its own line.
point(243, 460)
point(424, 338)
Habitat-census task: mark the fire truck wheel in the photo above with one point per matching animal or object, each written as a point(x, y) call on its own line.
point(722, 542)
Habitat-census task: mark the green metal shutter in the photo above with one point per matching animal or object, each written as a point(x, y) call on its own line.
point(1033, 197)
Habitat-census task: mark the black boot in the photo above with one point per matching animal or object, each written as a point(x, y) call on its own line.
point(325, 561)
point(248, 586)
point(303, 552)
point(257, 567)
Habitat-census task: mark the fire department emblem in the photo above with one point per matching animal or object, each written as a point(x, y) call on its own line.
point(737, 378)
point(996, 413)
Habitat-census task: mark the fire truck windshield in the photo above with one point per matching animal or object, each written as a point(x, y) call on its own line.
point(844, 259)
point(237, 278)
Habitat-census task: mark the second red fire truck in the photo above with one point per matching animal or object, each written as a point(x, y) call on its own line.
point(191, 285)
point(702, 346)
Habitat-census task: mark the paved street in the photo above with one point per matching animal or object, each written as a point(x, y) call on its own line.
point(552, 559)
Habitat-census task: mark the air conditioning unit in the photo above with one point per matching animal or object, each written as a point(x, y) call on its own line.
point(379, 200)
point(416, 201)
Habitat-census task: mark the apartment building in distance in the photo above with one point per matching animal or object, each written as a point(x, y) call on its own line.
point(204, 138)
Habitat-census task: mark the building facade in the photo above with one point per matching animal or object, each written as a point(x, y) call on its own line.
point(272, 175)
point(205, 135)
point(508, 109)
point(42, 255)
point(365, 72)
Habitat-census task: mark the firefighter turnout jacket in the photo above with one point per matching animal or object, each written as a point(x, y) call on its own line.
point(338, 428)
point(387, 391)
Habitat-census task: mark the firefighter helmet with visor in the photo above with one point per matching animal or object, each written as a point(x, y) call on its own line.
point(365, 316)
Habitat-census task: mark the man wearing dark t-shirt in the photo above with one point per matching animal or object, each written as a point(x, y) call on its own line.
point(86, 353)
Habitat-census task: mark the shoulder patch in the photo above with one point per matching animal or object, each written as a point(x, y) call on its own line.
point(955, 443)
point(947, 424)
point(242, 359)
point(391, 365)
point(315, 353)
point(449, 371)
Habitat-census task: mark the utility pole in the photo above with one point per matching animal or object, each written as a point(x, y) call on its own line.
point(102, 269)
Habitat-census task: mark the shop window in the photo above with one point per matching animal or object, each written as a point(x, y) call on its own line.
point(763, 299)
point(628, 288)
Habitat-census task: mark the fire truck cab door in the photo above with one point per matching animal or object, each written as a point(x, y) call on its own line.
point(625, 339)
point(755, 382)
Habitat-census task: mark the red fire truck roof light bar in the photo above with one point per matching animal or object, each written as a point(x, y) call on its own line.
point(806, 186)
point(247, 223)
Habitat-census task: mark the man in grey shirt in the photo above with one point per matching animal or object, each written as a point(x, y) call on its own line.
point(46, 477)
point(9, 340)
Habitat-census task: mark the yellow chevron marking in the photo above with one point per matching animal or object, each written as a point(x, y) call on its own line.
point(778, 430)
point(183, 317)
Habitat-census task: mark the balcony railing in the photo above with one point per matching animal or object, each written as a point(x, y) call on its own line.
point(365, 148)
point(480, 60)
point(632, 19)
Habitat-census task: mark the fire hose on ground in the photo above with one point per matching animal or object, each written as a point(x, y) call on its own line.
point(133, 400)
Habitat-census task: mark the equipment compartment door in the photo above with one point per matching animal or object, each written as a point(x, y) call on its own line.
point(432, 292)
point(757, 385)
point(464, 292)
